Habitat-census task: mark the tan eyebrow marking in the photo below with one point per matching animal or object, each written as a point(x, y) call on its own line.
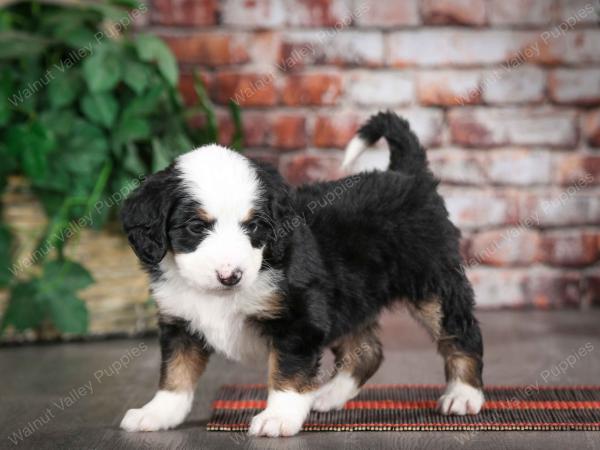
point(249, 215)
point(206, 217)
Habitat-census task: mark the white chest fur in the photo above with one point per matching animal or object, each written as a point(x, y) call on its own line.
point(220, 317)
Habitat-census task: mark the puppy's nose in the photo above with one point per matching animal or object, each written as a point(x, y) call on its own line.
point(229, 277)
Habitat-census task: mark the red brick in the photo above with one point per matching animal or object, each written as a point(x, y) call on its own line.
point(546, 289)
point(335, 130)
point(246, 89)
point(498, 288)
point(507, 247)
point(520, 167)
point(569, 248)
point(577, 12)
point(319, 13)
point(266, 156)
point(456, 47)
point(185, 12)
point(573, 168)
point(289, 132)
point(475, 208)
point(312, 89)
point(256, 127)
point(344, 48)
point(380, 88)
point(460, 12)
point(478, 127)
point(427, 124)
point(575, 86)
point(568, 206)
point(187, 86)
point(305, 168)
point(591, 283)
point(253, 13)
point(458, 167)
point(521, 12)
point(524, 84)
point(388, 13)
point(591, 128)
point(449, 87)
point(264, 48)
point(210, 48)
point(571, 47)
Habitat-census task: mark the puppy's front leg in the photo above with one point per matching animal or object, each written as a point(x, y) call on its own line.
point(292, 387)
point(184, 358)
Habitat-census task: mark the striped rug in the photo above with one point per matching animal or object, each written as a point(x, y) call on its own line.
point(412, 408)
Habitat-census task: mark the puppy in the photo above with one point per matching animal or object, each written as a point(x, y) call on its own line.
point(242, 264)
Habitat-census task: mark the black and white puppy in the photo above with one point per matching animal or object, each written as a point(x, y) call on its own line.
point(244, 265)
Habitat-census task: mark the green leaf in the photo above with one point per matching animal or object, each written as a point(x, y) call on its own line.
point(24, 309)
point(31, 143)
point(136, 76)
point(102, 70)
point(5, 255)
point(68, 313)
point(76, 36)
point(152, 49)
point(211, 129)
point(88, 150)
point(145, 104)
point(100, 108)
point(238, 135)
point(59, 121)
point(6, 91)
point(63, 90)
point(67, 274)
point(132, 161)
point(160, 156)
point(131, 129)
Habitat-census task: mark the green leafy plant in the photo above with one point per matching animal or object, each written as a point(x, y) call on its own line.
point(86, 108)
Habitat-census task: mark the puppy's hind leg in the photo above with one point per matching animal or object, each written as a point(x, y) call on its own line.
point(357, 358)
point(452, 325)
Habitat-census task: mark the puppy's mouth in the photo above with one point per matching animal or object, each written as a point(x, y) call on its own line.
point(225, 290)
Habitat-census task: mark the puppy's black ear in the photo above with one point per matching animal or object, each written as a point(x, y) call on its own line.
point(145, 213)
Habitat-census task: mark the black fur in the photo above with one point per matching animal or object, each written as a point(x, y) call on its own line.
point(348, 248)
point(385, 236)
point(146, 212)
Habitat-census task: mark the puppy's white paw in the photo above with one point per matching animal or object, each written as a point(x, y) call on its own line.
point(284, 415)
point(460, 399)
point(275, 423)
point(335, 393)
point(166, 410)
point(143, 420)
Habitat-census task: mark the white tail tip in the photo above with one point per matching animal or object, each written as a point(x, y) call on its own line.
point(353, 150)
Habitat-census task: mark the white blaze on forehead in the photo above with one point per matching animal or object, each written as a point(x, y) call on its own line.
point(221, 179)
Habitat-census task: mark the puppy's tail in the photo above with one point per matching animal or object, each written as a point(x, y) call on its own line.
point(406, 153)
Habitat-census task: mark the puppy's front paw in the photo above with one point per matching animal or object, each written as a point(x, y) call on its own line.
point(166, 410)
point(142, 419)
point(460, 399)
point(274, 423)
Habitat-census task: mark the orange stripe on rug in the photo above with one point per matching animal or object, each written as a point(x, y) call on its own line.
point(423, 404)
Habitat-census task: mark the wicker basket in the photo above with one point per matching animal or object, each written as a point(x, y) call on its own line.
point(119, 300)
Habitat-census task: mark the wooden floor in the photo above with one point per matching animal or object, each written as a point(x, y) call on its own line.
point(73, 396)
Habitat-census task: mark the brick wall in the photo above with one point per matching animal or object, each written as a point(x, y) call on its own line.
point(505, 94)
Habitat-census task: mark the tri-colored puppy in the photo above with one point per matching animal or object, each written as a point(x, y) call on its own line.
point(244, 265)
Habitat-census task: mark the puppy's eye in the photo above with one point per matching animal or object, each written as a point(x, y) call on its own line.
point(253, 226)
point(197, 227)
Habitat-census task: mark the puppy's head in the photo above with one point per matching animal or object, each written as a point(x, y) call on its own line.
point(216, 211)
